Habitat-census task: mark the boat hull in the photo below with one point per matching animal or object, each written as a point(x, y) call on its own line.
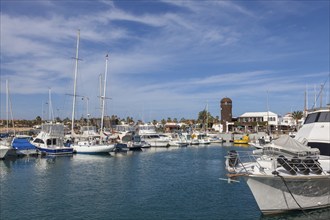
point(55, 150)
point(23, 147)
point(275, 194)
point(240, 142)
point(157, 143)
point(3, 151)
point(92, 149)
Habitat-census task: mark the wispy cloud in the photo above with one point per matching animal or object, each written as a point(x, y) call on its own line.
point(176, 57)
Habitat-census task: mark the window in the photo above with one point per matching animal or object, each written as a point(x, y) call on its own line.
point(37, 140)
point(311, 118)
point(51, 141)
point(324, 117)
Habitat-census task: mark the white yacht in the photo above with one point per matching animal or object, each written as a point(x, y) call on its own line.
point(177, 140)
point(315, 131)
point(148, 134)
point(285, 175)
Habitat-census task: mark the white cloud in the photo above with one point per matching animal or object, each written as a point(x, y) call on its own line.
point(177, 59)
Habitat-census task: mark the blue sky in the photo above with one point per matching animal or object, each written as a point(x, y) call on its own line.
point(167, 58)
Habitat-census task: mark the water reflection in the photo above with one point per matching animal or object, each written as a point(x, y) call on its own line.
point(10, 163)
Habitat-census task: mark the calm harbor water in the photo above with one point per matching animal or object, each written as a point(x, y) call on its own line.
point(173, 183)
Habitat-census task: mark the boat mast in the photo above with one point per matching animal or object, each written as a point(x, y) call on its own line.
point(7, 105)
point(9, 108)
point(207, 117)
point(104, 88)
point(306, 102)
point(75, 83)
point(268, 126)
point(100, 86)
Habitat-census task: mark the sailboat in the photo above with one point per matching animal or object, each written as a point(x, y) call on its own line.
point(5, 146)
point(89, 142)
point(5, 142)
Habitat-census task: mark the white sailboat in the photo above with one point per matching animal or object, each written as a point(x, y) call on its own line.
point(5, 143)
point(89, 142)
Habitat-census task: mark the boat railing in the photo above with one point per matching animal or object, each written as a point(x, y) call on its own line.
point(236, 160)
point(277, 151)
point(245, 161)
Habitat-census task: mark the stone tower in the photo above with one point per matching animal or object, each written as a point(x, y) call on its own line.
point(226, 112)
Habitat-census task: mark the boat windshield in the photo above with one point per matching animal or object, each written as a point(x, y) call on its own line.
point(318, 117)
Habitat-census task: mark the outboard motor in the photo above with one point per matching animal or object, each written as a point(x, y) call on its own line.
point(287, 166)
point(232, 158)
point(297, 163)
point(313, 165)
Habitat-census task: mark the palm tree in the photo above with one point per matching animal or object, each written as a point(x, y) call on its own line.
point(297, 115)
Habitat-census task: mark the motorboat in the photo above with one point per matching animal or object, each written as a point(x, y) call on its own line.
point(315, 132)
point(244, 140)
point(132, 142)
point(155, 140)
point(148, 134)
point(203, 139)
point(50, 140)
point(285, 175)
point(214, 139)
point(178, 140)
point(191, 139)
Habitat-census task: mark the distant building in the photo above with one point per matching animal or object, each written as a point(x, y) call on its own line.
point(226, 112)
point(287, 120)
point(270, 117)
point(217, 127)
point(253, 120)
point(172, 126)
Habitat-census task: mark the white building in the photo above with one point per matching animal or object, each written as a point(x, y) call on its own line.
point(287, 120)
point(217, 127)
point(270, 117)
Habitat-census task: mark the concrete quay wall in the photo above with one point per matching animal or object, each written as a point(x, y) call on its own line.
point(230, 137)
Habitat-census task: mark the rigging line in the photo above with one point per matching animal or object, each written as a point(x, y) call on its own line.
point(319, 94)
